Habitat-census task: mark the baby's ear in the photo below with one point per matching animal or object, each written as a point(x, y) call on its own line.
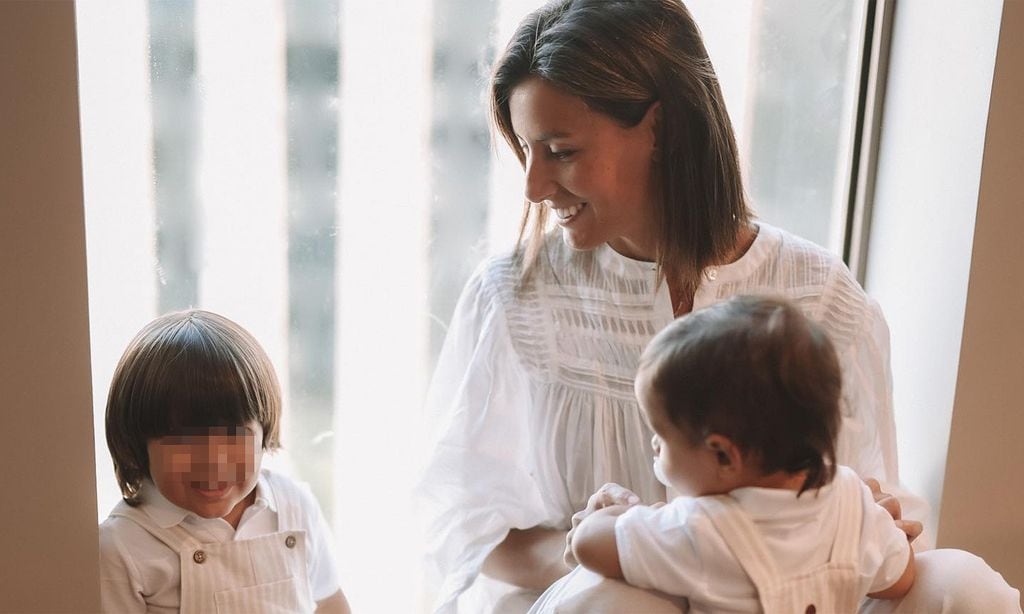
point(727, 454)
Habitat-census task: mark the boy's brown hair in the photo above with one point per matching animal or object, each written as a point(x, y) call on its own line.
point(757, 371)
point(186, 371)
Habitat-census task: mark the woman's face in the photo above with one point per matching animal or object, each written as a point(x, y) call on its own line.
point(595, 175)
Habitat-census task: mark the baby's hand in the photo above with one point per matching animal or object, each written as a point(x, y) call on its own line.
point(606, 496)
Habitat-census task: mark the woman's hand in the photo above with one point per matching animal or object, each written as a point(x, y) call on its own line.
point(891, 504)
point(608, 495)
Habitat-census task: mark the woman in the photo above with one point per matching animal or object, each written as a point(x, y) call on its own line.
point(615, 112)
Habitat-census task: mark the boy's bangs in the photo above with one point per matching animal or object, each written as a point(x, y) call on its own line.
point(203, 389)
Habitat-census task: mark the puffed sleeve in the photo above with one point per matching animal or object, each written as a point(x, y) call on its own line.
point(479, 481)
point(868, 438)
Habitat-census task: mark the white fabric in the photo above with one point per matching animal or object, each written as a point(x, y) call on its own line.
point(831, 587)
point(948, 582)
point(265, 574)
point(532, 399)
point(681, 548)
point(140, 573)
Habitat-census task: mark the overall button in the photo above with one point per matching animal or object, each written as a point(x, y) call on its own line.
point(290, 541)
point(199, 556)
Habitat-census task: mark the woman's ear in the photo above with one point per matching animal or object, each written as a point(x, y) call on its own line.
point(727, 454)
point(652, 122)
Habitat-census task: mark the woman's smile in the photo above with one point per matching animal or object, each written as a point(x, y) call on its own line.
point(566, 215)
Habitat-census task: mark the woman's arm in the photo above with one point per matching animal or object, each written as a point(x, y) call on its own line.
point(902, 586)
point(912, 528)
point(529, 558)
point(593, 543)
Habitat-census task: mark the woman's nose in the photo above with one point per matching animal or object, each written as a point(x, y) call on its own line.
point(540, 185)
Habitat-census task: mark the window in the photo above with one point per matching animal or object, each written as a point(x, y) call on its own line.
point(322, 172)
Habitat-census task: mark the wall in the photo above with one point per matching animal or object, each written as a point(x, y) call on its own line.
point(49, 500)
point(932, 139)
point(984, 487)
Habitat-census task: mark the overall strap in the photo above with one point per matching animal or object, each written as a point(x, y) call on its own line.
point(846, 547)
point(176, 537)
point(744, 540)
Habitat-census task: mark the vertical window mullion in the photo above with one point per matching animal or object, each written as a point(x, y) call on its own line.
point(864, 163)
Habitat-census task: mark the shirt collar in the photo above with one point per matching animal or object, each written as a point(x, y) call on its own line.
point(167, 514)
point(776, 504)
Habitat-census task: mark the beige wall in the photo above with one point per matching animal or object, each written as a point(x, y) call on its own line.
point(983, 498)
point(48, 512)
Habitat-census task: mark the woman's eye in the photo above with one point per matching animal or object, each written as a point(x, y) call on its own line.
point(563, 154)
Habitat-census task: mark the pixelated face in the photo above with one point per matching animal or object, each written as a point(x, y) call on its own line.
point(210, 472)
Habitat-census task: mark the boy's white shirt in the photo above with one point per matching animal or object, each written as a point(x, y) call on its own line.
point(677, 550)
point(139, 573)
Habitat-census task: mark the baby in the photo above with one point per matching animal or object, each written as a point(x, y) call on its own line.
point(193, 405)
point(743, 398)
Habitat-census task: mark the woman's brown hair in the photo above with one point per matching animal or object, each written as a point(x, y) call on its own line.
point(620, 57)
point(757, 371)
point(183, 371)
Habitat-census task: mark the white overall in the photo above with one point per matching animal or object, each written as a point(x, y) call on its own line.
point(826, 589)
point(265, 574)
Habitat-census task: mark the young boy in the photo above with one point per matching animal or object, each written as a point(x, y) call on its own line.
point(743, 398)
point(193, 405)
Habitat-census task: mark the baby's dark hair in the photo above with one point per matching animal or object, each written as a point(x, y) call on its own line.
point(757, 371)
point(186, 371)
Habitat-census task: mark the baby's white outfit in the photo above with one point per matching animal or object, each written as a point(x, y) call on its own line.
point(764, 549)
point(158, 557)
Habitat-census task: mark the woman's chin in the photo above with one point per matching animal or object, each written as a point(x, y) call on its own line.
point(579, 241)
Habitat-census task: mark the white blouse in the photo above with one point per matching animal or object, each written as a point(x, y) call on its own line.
point(532, 400)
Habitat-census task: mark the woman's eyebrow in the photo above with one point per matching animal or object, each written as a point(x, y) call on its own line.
point(547, 136)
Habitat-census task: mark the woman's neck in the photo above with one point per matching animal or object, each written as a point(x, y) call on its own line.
point(744, 240)
point(645, 250)
point(642, 251)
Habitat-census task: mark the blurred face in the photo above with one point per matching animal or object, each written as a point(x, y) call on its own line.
point(691, 469)
point(594, 175)
point(212, 473)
